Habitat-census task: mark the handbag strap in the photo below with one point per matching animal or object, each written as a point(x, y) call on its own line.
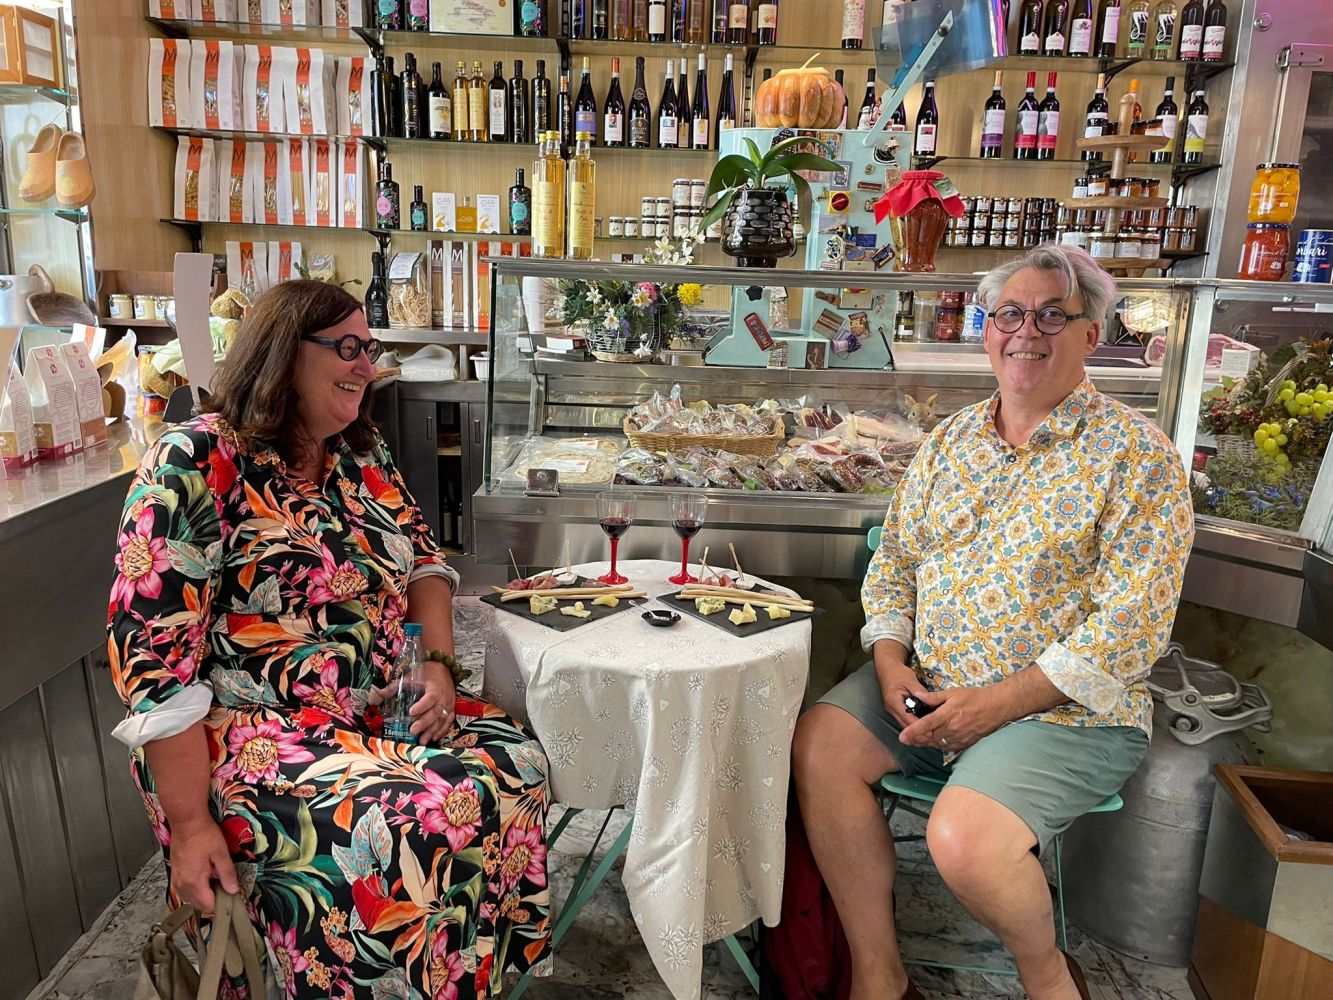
point(231, 929)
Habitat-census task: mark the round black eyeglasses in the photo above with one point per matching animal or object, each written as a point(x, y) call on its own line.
point(1050, 320)
point(349, 343)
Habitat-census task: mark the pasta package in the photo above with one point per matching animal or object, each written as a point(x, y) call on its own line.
point(351, 184)
point(195, 182)
point(305, 85)
point(323, 182)
point(211, 10)
point(169, 82)
point(409, 291)
point(273, 201)
point(215, 95)
point(247, 268)
point(87, 393)
point(235, 201)
point(343, 13)
point(297, 165)
point(55, 412)
point(18, 444)
point(353, 89)
point(284, 261)
point(261, 91)
point(298, 13)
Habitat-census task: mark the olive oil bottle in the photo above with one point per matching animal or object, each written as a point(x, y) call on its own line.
point(548, 198)
point(582, 198)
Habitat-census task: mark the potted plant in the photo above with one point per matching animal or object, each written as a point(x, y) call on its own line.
point(756, 219)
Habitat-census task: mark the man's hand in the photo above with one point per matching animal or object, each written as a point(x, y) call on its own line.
point(896, 680)
point(961, 717)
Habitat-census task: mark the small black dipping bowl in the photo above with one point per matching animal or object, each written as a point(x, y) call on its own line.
point(661, 618)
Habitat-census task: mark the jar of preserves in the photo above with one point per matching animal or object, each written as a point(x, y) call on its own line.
point(1171, 240)
point(1102, 245)
point(1264, 256)
point(949, 317)
point(1127, 244)
point(616, 226)
point(648, 206)
point(680, 192)
point(1274, 193)
point(1150, 244)
point(984, 203)
point(1080, 187)
point(1098, 186)
point(631, 226)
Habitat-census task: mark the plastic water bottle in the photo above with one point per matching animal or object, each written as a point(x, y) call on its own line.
point(409, 684)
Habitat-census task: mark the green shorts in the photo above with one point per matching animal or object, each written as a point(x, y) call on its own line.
point(1047, 774)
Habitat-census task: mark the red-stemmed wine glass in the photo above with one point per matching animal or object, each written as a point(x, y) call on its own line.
point(688, 511)
point(615, 513)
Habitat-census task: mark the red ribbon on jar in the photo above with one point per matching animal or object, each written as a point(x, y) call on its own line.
point(920, 204)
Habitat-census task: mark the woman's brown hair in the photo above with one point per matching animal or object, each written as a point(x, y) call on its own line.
point(255, 392)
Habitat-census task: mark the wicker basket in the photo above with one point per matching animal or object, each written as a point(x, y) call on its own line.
point(764, 446)
point(1238, 446)
point(621, 359)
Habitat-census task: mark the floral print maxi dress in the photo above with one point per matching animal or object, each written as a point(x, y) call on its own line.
point(375, 868)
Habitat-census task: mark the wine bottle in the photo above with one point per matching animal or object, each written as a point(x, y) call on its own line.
point(1053, 43)
point(657, 17)
point(667, 116)
point(1097, 117)
point(1191, 31)
point(1214, 31)
point(927, 123)
point(582, 189)
point(638, 31)
point(416, 212)
point(439, 106)
point(613, 112)
point(393, 97)
point(564, 117)
point(701, 120)
point(738, 22)
point(585, 106)
point(578, 19)
point(767, 33)
point(622, 21)
point(414, 124)
point(717, 25)
point(501, 130)
point(1080, 28)
point(853, 23)
point(726, 104)
point(377, 295)
point(837, 75)
point(1164, 29)
point(386, 199)
point(684, 112)
point(1048, 121)
point(1196, 129)
point(640, 111)
point(520, 206)
point(532, 18)
point(1169, 115)
point(676, 22)
point(865, 117)
point(601, 26)
point(417, 15)
point(389, 15)
point(548, 195)
point(696, 23)
point(1109, 35)
point(1139, 31)
point(462, 104)
point(520, 101)
point(541, 102)
point(478, 95)
point(1025, 122)
point(993, 121)
point(898, 120)
point(1029, 28)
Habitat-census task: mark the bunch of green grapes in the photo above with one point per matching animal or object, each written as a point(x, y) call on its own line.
point(1271, 439)
point(1317, 403)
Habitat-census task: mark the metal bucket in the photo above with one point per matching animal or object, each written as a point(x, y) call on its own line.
point(1132, 877)
point(14, 292)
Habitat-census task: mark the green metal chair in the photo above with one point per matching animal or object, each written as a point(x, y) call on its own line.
point(902, 792)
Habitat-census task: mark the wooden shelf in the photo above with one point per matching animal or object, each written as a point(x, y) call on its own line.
point(1132, 263)
point(1114, 201)
point(145, 323)
point(1132, 143)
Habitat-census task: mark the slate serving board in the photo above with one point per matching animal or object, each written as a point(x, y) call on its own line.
point(686, 606)
point(554, 619)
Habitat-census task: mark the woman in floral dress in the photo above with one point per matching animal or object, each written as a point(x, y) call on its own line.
point(269, 556)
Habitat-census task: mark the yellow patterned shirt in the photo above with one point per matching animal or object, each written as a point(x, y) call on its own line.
point(1067, 552)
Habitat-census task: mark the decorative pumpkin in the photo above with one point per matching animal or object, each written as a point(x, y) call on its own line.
point(807, 97)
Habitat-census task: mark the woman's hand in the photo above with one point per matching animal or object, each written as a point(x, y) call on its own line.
point(200, 862)
point(434, 710)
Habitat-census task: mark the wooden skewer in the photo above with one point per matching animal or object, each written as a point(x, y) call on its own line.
point(703, 564)
point(734, 598)
point(569, 566)
point(736, 559)
point(514, 563)
point(571, 595)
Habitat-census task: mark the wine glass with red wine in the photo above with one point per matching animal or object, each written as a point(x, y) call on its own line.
point(615, 513)
point(688, 511)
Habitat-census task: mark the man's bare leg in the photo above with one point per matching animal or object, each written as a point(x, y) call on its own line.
point(835, 762)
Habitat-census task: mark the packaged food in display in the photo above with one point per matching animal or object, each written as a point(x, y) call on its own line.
point(343, 13)
point(1265, 253)
point(284, 261)
point(323, 267)
point(308, 91)
point(351, 197)
point(409, 291)
point(579, 461)
point(247, 268)
point(683, 470)
point(296, 167)
point(195, 182)
point(754, 474)
point(1274, 193)
point(353, 85)
point(55, 413)
point(235, 200)
point(295, 13)
point(637, 467)
point(169, 82)
point(717, 469)
point(262, 102)
point(87, 393)
point(18, 443)
point(216, 68)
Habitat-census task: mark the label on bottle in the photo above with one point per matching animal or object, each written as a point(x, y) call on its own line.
point(1166, 30)
point(1048, 129)
point(1030, 43)
point(701, 133)
point(1095, 125)
point(657, 19)
point(768, 15)
point(1169, 125)
point(1055, 42)
point(1138, 28)
point(582, 203)
point(639, 132)
point(723, 124)
point(519, 214)
point(1111, 26)
point(865, 118)
point(1026, 136)
point(497, 114)
point(585, 121)
point(992, 128)
point(476, 109)
point(1191, 41)
point(667, 132)
point(1196, 133)
point(925, 139)
point(1080, 36)
point(738, 16)
point(1214, 38)
point(418, 216)
point(615, 127)
point(441, 111)
point(530, 17)
point(853, 18)
point(419, 8)
point(546, 204)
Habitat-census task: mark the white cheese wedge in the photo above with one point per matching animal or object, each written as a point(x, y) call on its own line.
point(541, 604)
point(743, 616)
point(607, 601)
point(709, 605)
point(775, 612)
point(577, 611)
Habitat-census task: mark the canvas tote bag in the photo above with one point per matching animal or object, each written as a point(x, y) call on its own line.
point(166, 972)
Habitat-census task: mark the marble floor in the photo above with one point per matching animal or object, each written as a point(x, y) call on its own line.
point(602, 957)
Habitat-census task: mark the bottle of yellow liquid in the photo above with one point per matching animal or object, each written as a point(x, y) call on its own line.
point(465, 219)
point(478, 100)
point(548, 198)
point(582, 198)
point(461, 106)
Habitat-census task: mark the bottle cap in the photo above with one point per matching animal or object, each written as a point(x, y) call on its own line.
point(412, 630)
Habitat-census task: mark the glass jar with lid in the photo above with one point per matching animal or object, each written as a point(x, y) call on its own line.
point(1264, 256)
point(1150, 244)
point(1274, 193)
point(1102, 244)
point(1127, 244)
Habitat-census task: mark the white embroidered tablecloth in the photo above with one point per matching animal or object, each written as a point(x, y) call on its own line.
point(690, 728)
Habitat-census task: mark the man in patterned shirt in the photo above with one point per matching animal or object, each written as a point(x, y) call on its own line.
point(1027, 579)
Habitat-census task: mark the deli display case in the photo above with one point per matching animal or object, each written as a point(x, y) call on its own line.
point(797, 448)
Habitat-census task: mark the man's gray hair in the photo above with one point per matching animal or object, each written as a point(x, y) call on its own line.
point(1078, 268)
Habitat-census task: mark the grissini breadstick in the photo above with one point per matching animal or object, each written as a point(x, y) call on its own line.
point(570, 594)
point(740, 597)
point(707, 590)
point(787, 602)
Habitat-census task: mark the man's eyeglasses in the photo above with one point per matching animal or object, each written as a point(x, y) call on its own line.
point(1050, 320)
point(349, 343)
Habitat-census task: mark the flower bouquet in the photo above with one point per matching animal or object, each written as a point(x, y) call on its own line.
point(627, 320)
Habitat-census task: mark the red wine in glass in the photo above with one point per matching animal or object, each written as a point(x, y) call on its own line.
point(687, 518)
point(615, 513)
point(614, 526)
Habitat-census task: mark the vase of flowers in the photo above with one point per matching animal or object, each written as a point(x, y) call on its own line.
point(631, 321)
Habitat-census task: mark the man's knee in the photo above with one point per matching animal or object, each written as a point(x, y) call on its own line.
point(830, 744)
point(972, 837)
